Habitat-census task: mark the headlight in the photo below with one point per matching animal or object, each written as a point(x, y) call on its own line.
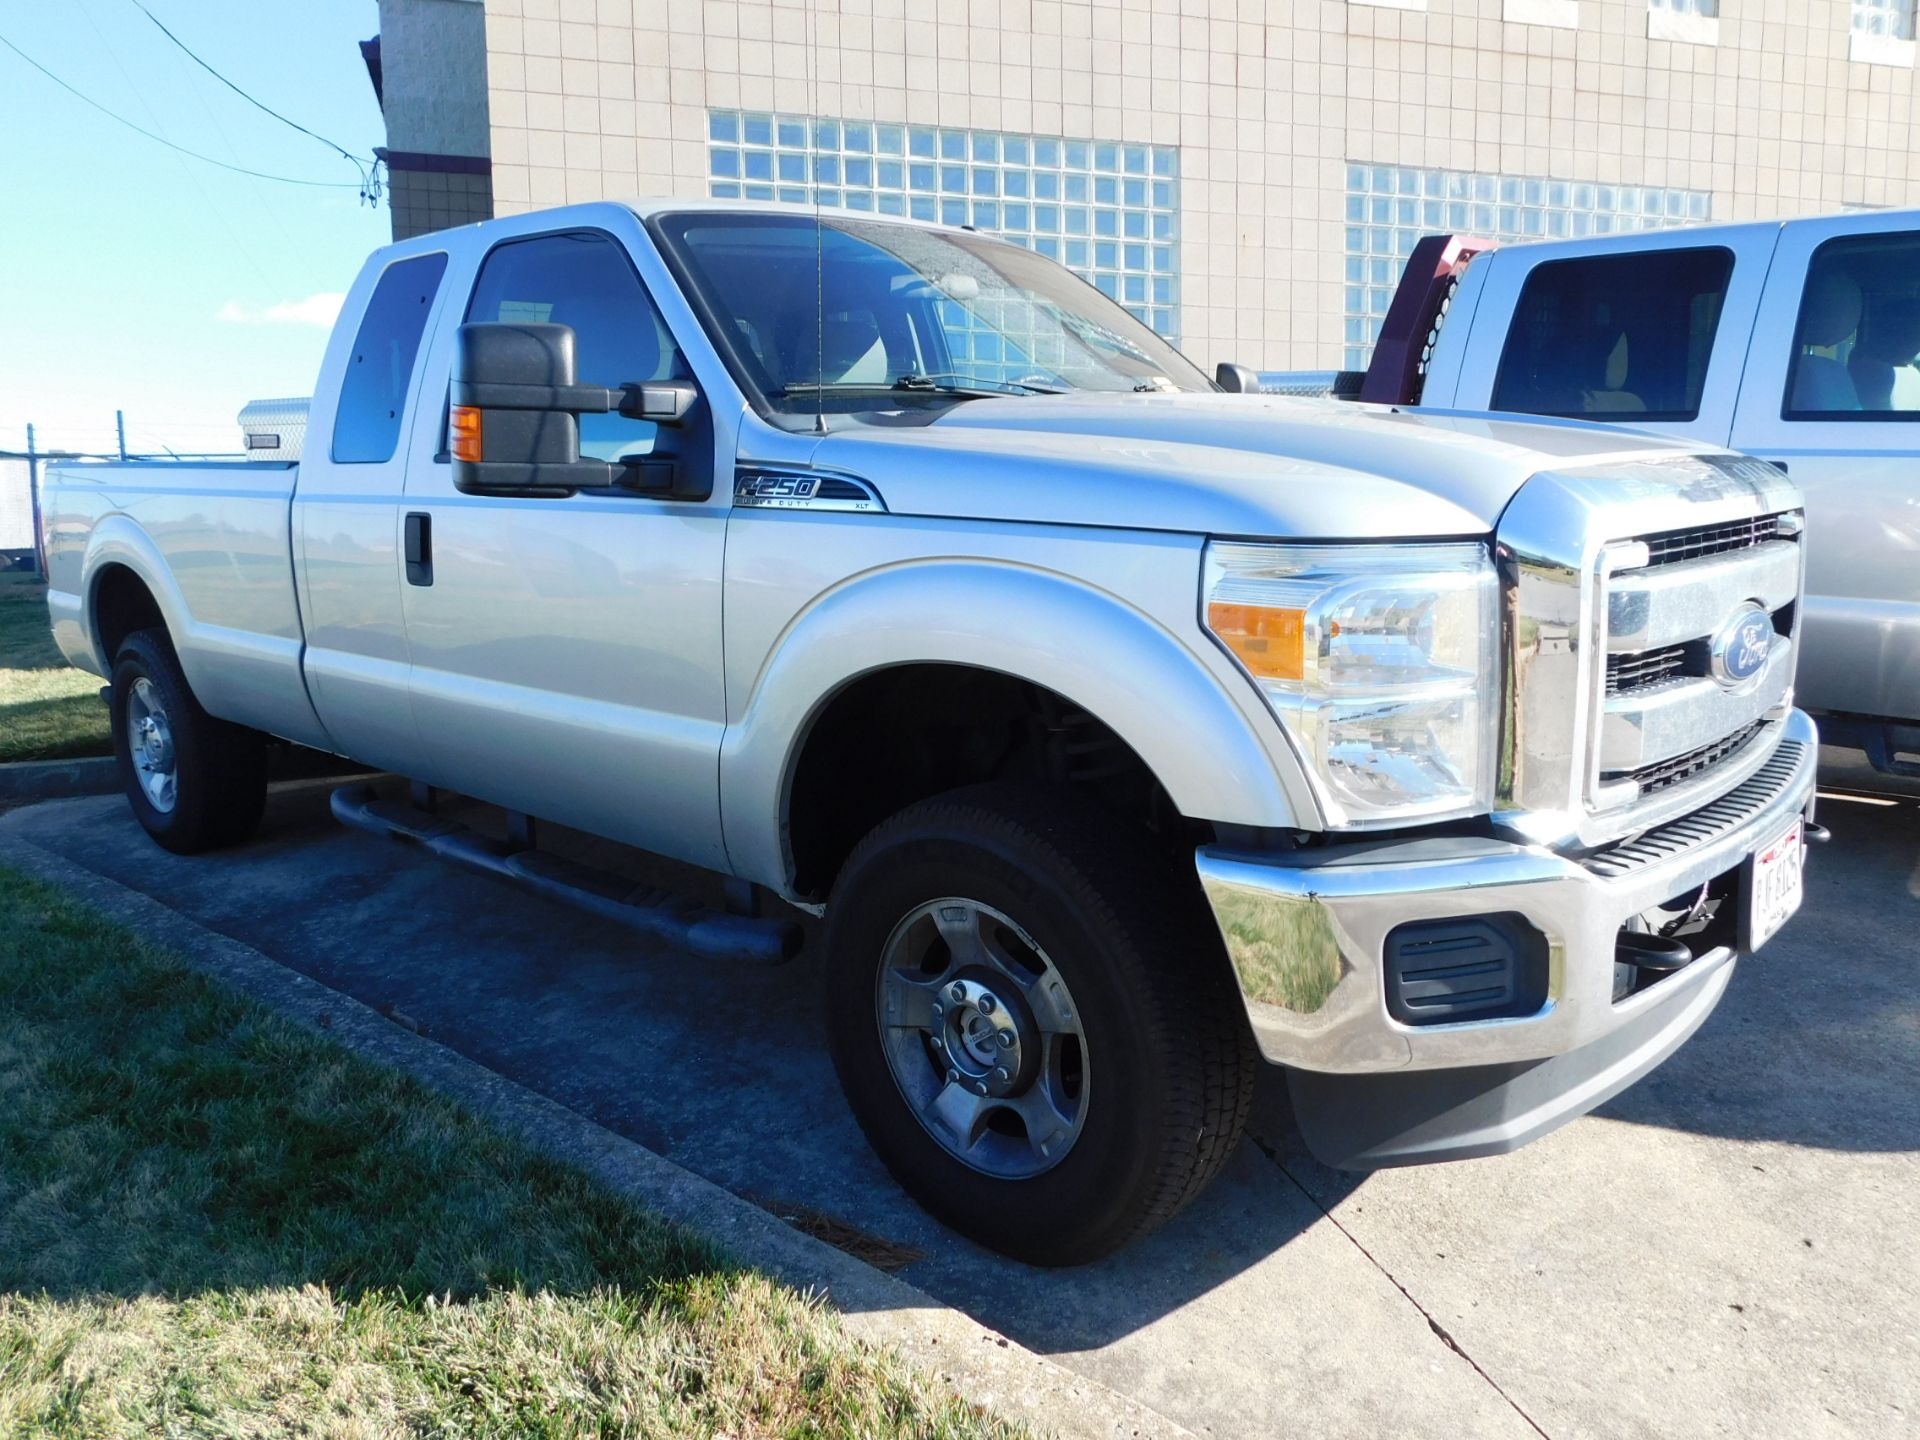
point(1378, 661)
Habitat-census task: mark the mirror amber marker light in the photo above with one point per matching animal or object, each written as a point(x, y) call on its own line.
point(1268, 640)
point(464, 423)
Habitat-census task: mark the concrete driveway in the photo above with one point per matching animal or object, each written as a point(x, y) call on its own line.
point(1730, 1248)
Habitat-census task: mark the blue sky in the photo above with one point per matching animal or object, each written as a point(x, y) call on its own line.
point(138, 279)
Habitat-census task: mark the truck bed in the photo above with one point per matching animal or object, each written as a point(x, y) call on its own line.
point(210, 539)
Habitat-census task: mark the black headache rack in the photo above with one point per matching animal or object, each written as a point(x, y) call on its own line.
point(1397, 373)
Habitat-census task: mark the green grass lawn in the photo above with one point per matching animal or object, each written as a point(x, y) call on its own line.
point(215, 1223)
point(48, 710)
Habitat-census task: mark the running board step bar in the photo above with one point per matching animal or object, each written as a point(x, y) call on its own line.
point(659, 913)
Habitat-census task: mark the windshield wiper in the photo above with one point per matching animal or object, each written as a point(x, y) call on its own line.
point(881, 388)
point(974, 384)
point(976, 387)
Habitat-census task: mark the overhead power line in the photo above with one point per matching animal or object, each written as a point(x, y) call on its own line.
point(151, 135)
point(258, 104)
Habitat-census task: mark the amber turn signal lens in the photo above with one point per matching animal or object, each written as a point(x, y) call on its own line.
point(1268, 641)
point(464, 426)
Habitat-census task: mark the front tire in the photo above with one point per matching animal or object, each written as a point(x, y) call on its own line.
point(194, 782)
point(1033, 1021)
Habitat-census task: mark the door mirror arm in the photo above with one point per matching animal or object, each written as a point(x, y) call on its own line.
point(665, 402)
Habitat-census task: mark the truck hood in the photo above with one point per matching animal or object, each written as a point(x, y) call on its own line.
point(1220, 464)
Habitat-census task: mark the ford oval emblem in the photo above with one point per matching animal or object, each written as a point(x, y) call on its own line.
point(1738, 651)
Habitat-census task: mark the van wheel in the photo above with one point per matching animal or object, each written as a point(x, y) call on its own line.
point(1033, 1020)
point(194, 782)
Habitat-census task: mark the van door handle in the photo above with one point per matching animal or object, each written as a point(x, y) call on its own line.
point(419, 548)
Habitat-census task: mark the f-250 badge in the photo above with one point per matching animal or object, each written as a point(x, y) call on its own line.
point(785, 490)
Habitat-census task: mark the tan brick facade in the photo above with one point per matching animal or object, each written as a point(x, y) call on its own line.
point(1271, 103)
point(424, 200)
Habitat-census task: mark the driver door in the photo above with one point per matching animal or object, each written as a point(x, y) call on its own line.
point(567, 650)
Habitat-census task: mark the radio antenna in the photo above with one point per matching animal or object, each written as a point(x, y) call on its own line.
point(819, 233)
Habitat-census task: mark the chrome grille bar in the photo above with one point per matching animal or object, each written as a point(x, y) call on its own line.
point(1652, 608)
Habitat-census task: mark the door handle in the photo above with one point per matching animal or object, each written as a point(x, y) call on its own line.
point(419, 548)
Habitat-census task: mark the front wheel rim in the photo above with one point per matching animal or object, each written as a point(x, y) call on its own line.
point(150, 745)
point(982, 1038)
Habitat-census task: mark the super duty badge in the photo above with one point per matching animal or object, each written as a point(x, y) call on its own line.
point(803, 490)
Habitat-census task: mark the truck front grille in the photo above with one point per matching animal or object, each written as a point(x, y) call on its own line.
point(1635, 689)
point(1671, 546)
point(1666, 724)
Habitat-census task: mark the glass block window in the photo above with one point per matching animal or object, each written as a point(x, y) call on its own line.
point(1889, 19)
point(1389, 207)
point(1706, 9)
point(1110, 212)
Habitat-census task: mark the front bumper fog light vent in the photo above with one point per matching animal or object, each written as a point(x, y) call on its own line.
point(1476, 967)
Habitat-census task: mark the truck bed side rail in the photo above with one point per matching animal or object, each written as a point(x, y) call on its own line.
point(1339, 384)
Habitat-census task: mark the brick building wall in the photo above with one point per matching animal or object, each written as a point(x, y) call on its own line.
point(1313, 138)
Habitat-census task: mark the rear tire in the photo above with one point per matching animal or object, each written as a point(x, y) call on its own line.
point(1130, 1061)
point(194, 782)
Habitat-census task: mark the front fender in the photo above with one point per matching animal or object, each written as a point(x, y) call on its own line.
point(1204, 742)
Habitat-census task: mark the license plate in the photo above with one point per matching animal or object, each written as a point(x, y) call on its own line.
point(1774, 891)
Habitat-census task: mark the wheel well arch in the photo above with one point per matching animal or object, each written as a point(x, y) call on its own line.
point(906, 732)
point(121, 604)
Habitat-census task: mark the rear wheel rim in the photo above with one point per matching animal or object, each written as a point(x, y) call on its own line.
point(982, 1037)
point(150, 744)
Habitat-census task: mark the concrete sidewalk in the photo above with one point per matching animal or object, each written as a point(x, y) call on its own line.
point(1731, 1247)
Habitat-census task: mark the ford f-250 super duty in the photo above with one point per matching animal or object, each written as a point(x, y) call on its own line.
point(1125, 732)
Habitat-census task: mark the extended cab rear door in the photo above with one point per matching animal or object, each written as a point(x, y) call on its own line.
point(346, 507)
point(567, 649)
point(1647, 330)
point(1832, 393)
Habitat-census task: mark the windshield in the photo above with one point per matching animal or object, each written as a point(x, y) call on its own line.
point(842, 315)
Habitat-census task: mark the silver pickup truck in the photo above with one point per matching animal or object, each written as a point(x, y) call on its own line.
point(1124, 732)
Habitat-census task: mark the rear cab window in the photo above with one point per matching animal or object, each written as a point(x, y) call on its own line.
point(373, 392)
point(1856, 344)
point(1620, 337)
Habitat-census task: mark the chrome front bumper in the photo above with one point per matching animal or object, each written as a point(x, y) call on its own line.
point(1306, 930)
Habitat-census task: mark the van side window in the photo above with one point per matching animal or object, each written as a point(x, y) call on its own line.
point(584, 279)
point(1856, 349)
point(373, 392)
point(1626, 337)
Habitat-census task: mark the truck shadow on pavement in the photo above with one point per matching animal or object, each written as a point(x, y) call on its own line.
point(723, 1068)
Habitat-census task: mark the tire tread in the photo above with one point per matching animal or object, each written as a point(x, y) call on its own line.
point(225, 763)
point(1170, 945)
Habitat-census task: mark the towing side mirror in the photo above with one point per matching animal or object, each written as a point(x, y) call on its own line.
point(514, 427)
point(1236, 379)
